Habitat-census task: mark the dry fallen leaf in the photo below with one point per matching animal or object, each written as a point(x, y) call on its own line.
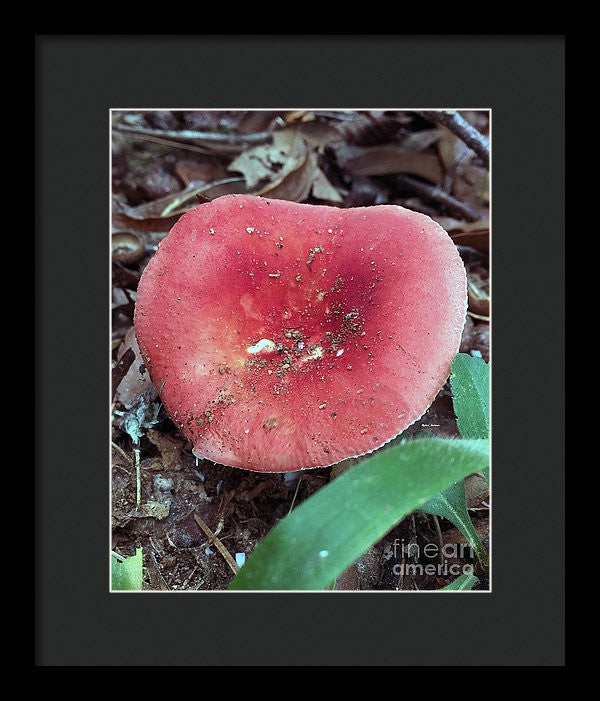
point(160, 215)
point(120, 298)
point(134, 382)
point(199, 171)
point(471, 185)
point(298, 116)
point(121, 369)
point(472, 234)
point(322, 189)
point(476, 491)
point(389, 159)
point(296, 185)
point(420, 140)
point(479, 299)
point(288, 168)
point(272, 162)
point(177, 203)
point(170, 449)
point(319, 134)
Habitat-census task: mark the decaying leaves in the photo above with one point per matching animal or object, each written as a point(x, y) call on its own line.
point(136, 381)
point(389, 159)
point(271, 162)
point(286, 169)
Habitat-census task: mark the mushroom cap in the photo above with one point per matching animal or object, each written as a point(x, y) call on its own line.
point(284, 336)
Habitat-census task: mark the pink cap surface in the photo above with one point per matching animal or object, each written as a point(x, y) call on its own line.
point(284, 336)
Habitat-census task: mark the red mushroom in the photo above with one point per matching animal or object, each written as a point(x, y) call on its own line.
point(284, 336)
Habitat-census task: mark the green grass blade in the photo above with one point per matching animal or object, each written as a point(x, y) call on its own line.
point(127, 575)
point(329, 531)
point(463, 583)
point(452, 505)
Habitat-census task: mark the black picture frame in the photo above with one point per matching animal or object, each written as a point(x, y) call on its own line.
point(78, 79)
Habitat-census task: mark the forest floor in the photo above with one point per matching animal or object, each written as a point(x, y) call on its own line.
point(184, 512)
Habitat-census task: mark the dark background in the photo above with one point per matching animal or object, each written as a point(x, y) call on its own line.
point(78, 80)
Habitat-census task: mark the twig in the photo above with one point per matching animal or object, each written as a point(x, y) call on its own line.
point(436, 194)
point(218, 544)
point(295, 495)
point(400, 584)
point(459, 126)
point(188, 579)
point(478, 316)
point(438, 530)
point(121, 452)
point(216, 138)
point(170, 143)
point(120, 467)
point(138, 479)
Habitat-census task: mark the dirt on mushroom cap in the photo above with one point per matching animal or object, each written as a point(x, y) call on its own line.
point(287, 336)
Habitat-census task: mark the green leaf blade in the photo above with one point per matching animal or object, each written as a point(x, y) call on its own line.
point(324, 535)
point(465, 582)
point(127, 575)
point(470, 379)
point(451, 504)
